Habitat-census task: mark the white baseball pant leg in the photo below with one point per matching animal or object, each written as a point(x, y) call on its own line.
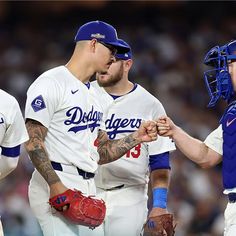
point(230, 220)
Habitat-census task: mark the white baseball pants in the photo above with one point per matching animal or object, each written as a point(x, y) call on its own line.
point(230, 220)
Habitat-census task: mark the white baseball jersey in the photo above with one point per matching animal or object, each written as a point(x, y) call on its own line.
point(12, 125)
point(215, 140)
point(72, 113)
point(124, 116)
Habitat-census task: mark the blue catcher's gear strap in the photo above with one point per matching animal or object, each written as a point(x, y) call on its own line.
point(159, 197)
point(229, 109)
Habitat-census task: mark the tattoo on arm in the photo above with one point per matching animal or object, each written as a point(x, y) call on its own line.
point(37, 151)
point(111, 150)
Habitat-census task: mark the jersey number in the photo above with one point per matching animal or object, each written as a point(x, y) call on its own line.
point(135, 152)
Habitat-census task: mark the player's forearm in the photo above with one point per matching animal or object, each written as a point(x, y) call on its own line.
point(41, 162)
point(111, 150)
point(160, 178)
point(7, 165)
point(192, 148)
point(37, 151)
point(159, 185)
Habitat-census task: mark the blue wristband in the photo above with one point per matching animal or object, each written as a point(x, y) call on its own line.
point(159, 197)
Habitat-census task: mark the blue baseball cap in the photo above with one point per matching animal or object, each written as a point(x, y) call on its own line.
point(124, 56)
point(101, 31)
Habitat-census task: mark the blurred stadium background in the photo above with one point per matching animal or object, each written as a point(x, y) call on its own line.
point(169, 40)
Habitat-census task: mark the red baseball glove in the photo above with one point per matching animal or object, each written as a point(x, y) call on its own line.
point(79, 209)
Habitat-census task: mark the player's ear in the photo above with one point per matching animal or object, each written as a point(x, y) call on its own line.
point(93, 45)
point(128, 63)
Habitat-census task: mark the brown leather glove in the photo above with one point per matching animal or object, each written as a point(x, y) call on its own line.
point(162, 225)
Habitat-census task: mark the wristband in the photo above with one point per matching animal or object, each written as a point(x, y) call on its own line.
point(159, 197)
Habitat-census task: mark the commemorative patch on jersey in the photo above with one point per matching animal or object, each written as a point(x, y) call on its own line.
point(38, 103)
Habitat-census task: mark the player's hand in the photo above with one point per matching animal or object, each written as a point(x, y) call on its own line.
point(160, 223)
point(147, 132)
point(57, 188)
point(157, 211)
point(165, 126)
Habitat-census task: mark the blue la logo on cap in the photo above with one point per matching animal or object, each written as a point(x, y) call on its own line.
point(101, 31)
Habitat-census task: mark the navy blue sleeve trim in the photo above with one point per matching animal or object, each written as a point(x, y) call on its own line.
point(159, 161)
point(11, 152)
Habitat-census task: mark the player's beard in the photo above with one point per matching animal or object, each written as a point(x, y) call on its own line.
point(112, 79)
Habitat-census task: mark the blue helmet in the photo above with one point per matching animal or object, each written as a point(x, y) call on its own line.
point(218, 79)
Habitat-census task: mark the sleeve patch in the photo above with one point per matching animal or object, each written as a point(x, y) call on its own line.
point(38, 103)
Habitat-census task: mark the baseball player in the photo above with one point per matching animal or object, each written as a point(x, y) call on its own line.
point(123, 183)
point(65, 125)
point(220, 144)
point(12, 134)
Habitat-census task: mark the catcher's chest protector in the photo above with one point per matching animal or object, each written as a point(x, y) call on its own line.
point(228, 122)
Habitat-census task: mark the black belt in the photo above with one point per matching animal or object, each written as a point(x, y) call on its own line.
point(115, 188)
point(84, 174)
point(232, 197)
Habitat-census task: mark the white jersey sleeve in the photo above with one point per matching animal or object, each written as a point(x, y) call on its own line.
point(12, 125)
point(162, 144)
point(215, 140)
point(42, 100)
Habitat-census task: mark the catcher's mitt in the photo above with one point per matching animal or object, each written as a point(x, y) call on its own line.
point(162, 225)
point(79, 209)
